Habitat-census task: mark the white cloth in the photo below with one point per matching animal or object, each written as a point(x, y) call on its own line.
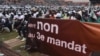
point(21, 17)
point(73, 18)
point(3, 20)
point(98, 13)
point(16, 17)
point(8, 16)
point(58, 15)
point(1, 15)
point(80, 13)
point(35, 14)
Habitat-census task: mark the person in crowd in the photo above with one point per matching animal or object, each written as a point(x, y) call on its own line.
point(58, 15)
point(6, 26)
point(1, 23)
point(21, 27)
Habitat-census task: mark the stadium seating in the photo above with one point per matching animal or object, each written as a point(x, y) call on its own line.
point(33, 2)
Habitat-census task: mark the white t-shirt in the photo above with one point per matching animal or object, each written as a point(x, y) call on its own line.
point(21, 17)
point(16, 17)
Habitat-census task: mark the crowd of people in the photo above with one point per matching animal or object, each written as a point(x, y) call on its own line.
point(33, 2)
point(17, 19)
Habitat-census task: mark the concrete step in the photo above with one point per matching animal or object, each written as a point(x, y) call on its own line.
point(13, 42)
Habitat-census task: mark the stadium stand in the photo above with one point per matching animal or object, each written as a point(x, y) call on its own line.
point(32, 2)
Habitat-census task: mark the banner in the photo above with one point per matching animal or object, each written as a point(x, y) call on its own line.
point(63, 37)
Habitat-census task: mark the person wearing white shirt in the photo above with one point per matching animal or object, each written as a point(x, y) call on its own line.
point(58, 15)
point(35, 15)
